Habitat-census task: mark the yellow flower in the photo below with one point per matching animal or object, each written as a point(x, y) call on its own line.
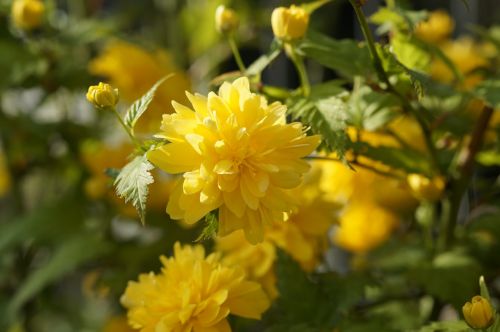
point(192, 292)
point(5, 181)
point(303, 236)
point(465, 54)
point(117, 324)
point(27, 14)
point(133, 71)
point(289, 23)
point(256, 260)
point(363, 226)
point(103, 95)
point(237, 154)
point(436, 28)
point(426, 189)
point(226, 20)
point(478, 313)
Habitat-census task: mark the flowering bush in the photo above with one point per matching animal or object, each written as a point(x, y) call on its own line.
point(360, 194)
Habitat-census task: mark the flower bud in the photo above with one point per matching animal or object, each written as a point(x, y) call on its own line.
point(478, 313)
point(27, 14)
point(289, 23)
point(226, 20)
point(426, 189)
point(103, 95)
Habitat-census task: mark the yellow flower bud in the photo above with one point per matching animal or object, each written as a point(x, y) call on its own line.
point(102, 95)
point(478, 313)
point(426, 189)
point(226, 20)
point(289, 23)
point(27, 14)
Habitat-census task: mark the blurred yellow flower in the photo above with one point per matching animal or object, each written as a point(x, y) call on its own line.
point(424, 188)
point(256, 260)
point(237, 154)
point(226, 20)
point(289, 23)
point(192, 292)
point(27, 14)
point(478, 313)
point(5, 181)
point(466, 55)
point(134, 70)
point(438, 26)
point(363, 226)
point(103, 95)
point(117, 324)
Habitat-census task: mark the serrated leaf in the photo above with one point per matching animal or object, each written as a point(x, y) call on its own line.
point(326, 117)
point(371, 110)
point(141, 105)
point(72, 253)
point(211, 227)
point(132, 183)
point(264, 60)
point(448, 326)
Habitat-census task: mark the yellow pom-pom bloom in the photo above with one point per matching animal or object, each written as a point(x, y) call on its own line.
point(5, 181)
point(27, 14)
point(289, 23)
point(134, 70)
point(226, 20)
point(363, 226)
point(436, 28)
point(103, 95)
point(237, 154)
point(478, 313)
point(192, 293)
point(426, 189)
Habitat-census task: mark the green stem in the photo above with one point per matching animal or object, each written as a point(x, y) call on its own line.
point(377, 63)
point(298, 62)
point(124, 126)
point(236, 53)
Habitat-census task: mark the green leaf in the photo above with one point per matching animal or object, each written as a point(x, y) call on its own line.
point(489, 91)
point(310, 7)
point(211, 227)
point(141, 105)
point(264, 60)
point(346, 57)
point(451, 277)
point(133, 181)
point(371, 110)
point(72, 253)
point(326, 117)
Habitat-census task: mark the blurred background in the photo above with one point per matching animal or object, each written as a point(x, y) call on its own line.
point(68, 244)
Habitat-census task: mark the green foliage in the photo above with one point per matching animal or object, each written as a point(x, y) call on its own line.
point(489, 91)
point(141, 105)
point(73, 252)
point(346, 57)
point(451, 277)
point(326, 115)
point(211, 227)
point(132, 183)
point(332, 295)
point(448, 326)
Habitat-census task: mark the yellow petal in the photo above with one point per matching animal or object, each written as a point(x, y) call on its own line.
point(175, 157)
